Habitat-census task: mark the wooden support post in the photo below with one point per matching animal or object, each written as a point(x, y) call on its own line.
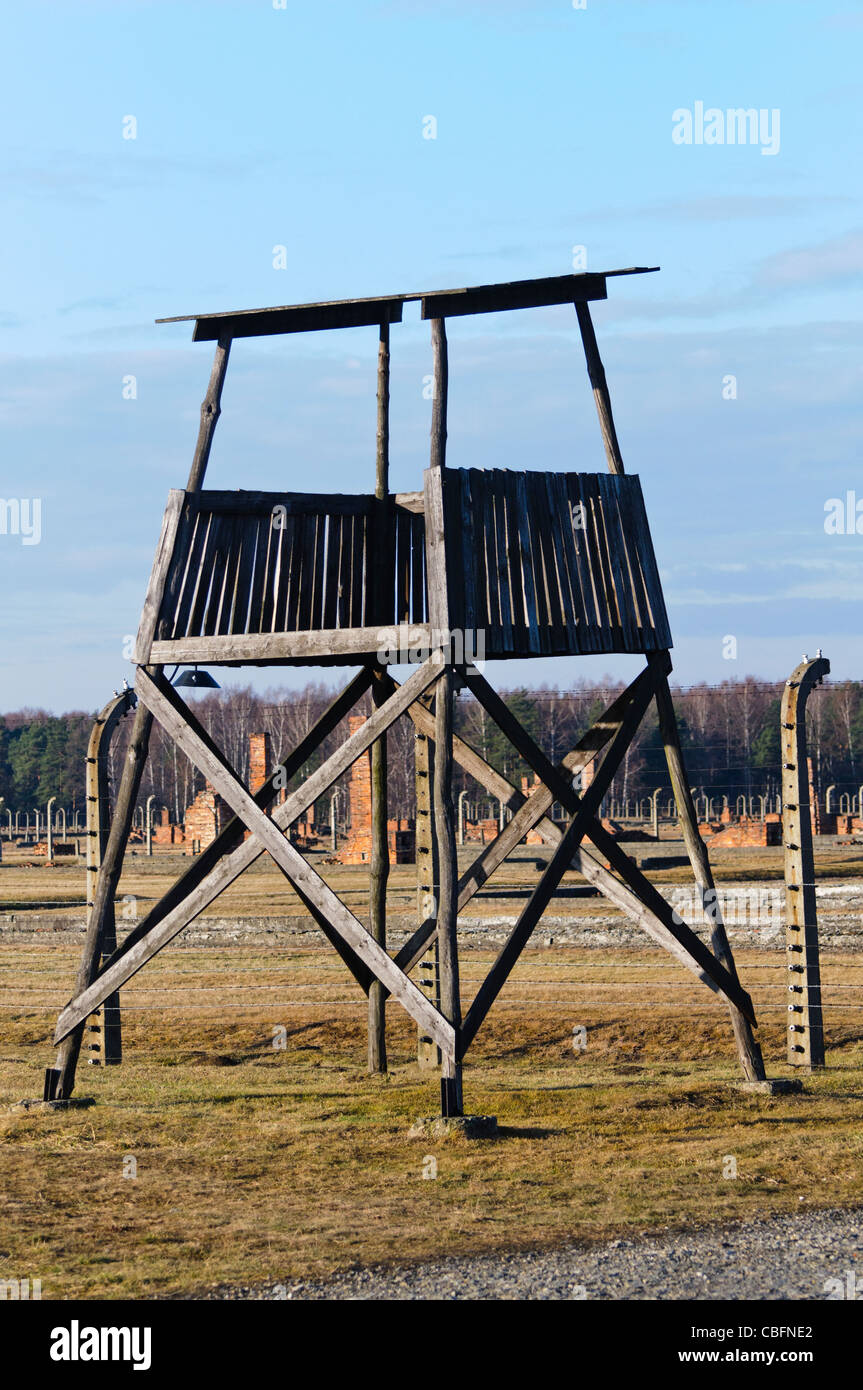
point(440, 385)
point(446, 879)
point(805, 1022)
point(382, 451)
point(447, 891)
point(211, 409)
point(380, 852)
point(428, 1052)
point(378, 875)
point(602, 399)
point(748, 1049)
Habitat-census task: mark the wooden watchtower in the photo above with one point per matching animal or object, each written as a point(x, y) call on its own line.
point(529, 563)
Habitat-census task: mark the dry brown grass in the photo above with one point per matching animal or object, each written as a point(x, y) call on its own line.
point(264, 891)
point(255, 1164)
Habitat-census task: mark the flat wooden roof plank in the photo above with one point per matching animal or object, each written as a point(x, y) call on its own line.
point(354, 313)
point(300, 318)
point(518, 294)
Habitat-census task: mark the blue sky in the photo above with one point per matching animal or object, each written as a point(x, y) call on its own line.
point(303, 127)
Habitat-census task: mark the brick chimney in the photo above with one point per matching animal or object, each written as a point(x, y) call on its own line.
point(260, 761)
point(361, 797)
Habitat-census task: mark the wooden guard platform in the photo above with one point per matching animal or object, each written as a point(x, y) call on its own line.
point(544, 564)
point(538, 564)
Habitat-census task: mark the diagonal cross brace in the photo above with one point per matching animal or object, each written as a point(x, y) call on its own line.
point(231, 836)
point(560, 789)
point(525, 813)
point(560, 861)
point(229, 868)
point(619, 723)
point(180, 723)
point(655, 917)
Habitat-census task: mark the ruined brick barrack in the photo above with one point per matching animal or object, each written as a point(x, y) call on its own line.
point(541, 564)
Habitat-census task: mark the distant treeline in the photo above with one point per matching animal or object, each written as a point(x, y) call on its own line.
point(730, 735)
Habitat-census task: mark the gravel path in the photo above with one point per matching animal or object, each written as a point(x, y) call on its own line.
point(789, 1257)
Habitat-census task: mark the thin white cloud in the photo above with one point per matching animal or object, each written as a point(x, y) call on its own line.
point(836, 261)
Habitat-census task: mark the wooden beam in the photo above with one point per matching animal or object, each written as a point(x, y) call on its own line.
point(601, 395)
point(436, 564)
point(382, 443)
point(528, 812)
point(679, 941)
point(348, 313)
point(520, 740)
point(592, 741)
point(61, 1079)
point(232, 835)
point(440, 379)
point(562, 791)
point(675, 938)
point(517, 294)
point(668, 919)
point(447, 893)
point(253, 502)
point(361, 642)
point(159, 576)
point(182, 726)
point(227, 869)
point(379, 866)
point(411, 501)
point(552, 875)
point(295, 318)
point(211, 409)
point(540, 800)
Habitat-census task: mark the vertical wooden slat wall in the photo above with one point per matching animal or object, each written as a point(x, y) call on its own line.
point(526, 573)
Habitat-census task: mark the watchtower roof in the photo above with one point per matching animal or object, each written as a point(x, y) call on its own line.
point(436, 304)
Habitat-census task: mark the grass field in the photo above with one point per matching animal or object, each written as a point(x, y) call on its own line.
point(255, 1164)
point(26, 885)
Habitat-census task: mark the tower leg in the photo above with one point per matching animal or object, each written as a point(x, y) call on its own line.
point(447, 890)
point(380, 850)
point(379, 873)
